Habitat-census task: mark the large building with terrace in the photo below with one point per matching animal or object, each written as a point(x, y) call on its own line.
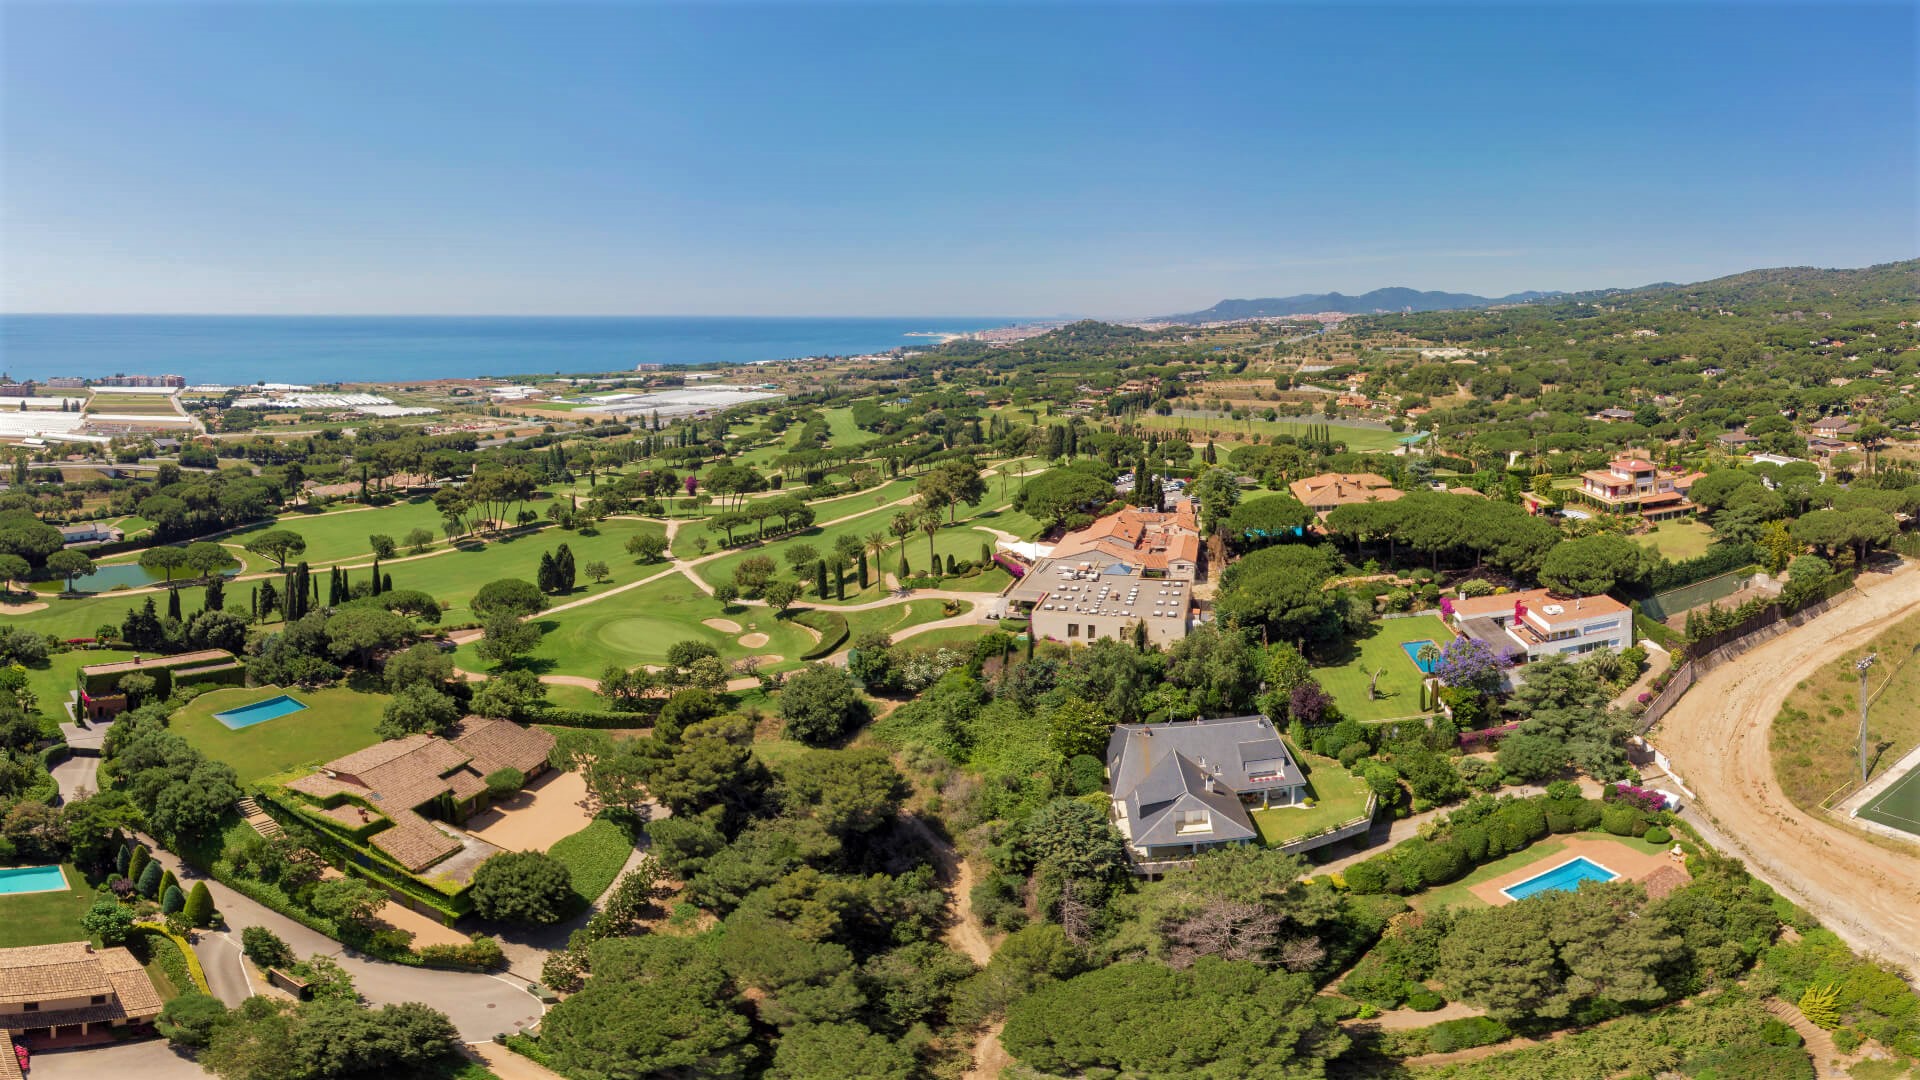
point(1632, 485)
point(72, 989)
point(1537, 623)
point(1179, 789)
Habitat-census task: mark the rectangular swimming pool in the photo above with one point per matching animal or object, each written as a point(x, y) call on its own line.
point(1565, 877)
point(259, 712)
point(26, 879)
point(1413, 653)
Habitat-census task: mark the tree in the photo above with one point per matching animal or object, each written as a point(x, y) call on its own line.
point(820, 705)
point(726, 593)
point(422, 665)
point(278, 545)
point(382, 546)
point(847, 791)
point(265, 948)
point(509, 695)
point(508, 596)
point(1077, 726)
point(348, 900)
point(415, 709)
point(13, 568)
point(1591, 565)
point(846, 1051)
point(199, 906)
point(342, 1039)
point(597, 572)
point(1057, 494)
point(163, 560)
point(523, 887)
point(1280, 588)
point(646, 546)
point(505, 637)
point(108, 920)
point(191, 1019)
point(1218, 491)
point(418, 540)
point(70, 564)
point(656, 1006)
point(1075, 839)
point(780, 596)
point(1470, 663)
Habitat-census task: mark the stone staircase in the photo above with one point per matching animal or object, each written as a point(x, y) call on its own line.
point(1820, 1046)
point(258, 818)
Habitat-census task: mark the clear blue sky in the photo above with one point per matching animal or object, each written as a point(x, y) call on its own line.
point(957, 159)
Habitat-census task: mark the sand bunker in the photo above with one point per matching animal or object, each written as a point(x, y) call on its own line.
point(753, 641)
point(725, 626)
point(21, 609)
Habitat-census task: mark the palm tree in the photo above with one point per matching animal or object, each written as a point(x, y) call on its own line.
point(877, 546)
point(901, 527)
point(930, 524)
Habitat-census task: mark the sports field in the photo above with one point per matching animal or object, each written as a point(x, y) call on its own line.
point(1898, 807)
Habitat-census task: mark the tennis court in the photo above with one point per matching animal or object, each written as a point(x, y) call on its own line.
point(1897, 807)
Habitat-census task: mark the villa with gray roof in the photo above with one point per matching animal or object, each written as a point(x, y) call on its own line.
point(1180, 789)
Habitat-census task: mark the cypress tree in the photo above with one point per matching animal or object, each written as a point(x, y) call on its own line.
point(376, 575)
point(820, 579)
point(563, 568)
point(333, 586)
point(173, 604)
point(950, 564)
point(216, 598)
point(863, 570)
point(839, 582)
point(386, 583)
point(544, 577)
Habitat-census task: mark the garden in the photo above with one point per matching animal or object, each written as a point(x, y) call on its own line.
point(337, 721)
point(1378, 679)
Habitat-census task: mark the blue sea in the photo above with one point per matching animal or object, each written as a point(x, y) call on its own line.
point(348, 348)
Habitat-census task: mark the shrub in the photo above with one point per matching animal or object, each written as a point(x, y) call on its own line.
point(522, 887)
point(190, 1019)
point(1367, 877)
point(1657, 835)
point(481, 954)
point(1450, 1035)
point(504, 782)
point(562, 972)
point(172, 900)
point(1424, 1000)
point(199, 907)
point(148, 884)
point(265, 948)
point(1623, 820)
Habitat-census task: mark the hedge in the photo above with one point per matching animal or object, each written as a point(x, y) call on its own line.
point(1721, 558)
point(832, 627)
point(188, 962)
point(375, 865)
point(581, 718)
point(1465, 1033)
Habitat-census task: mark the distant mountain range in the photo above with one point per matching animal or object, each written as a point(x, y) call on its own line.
point(1390, 299)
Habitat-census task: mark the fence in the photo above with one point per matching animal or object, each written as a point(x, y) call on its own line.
point(1664, 606)
point(1715, 649)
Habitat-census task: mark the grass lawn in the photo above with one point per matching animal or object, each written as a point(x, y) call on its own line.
point(1339, 795)
point(1457, 895)
point(959, 540)
point(953, 637)
point(67, 619)
point(453, 578)
point(1679, 539)
point(895, 617)
point(575, 697)
point(594, 856)
point(336, 721)
point(1399, 687)
point(638, 626)
point(51, 684)
point(1815, 739)
point(48, 917)
point(686, 542)
point(340, 534)
point(1198, 429)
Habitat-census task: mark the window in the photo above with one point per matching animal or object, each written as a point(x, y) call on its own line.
point(1193, 821)
point(31, 1006)
point(1073, 629)
point(98, 999)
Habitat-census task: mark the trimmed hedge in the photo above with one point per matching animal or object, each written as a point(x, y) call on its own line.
point(580, 718)
point(832, 627)
point(373, 864)
point(195, 977)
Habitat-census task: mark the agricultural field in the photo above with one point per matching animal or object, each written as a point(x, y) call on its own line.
point(132, 404)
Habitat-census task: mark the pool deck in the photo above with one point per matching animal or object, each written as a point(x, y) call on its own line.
point(1629, 864)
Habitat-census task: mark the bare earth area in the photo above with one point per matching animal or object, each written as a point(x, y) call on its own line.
point(536, 817)
point(1717, 738)
point(21, 609)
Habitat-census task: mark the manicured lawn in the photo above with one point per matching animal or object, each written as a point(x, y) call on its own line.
point(594, 855)
point(638, 626)
point(51, 684)
point(575, 697)
point(336, 721)
point(959, 540)
point(1339, 798)
point(1679, 539)
point(454, 577)
point(44, 918)
point(953, 637)
point(67, 619)
point(1399, 685)
point(336, 535)
point(1457, 894)
point(895, 618)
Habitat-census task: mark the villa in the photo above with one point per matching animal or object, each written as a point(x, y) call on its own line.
point(1182, 788)
point(97, 692)
point(1539, 624)
point(1631, 485)
point(87, 534)
point(398, 779)
point(1153, 543)
point(72, 988)
point(1326, 491)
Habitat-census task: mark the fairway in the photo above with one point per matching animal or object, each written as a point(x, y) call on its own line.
point(336, 721)
point(1898, 807)
point(960, 541)
point(336, 535)
point(1383, 652)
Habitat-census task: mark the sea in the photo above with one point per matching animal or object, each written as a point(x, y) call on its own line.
point(238, 350)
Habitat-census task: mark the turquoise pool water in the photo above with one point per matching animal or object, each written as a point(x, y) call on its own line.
point(25, 879)
point(259, 712)
point(1563, 878)
point(1413, 653)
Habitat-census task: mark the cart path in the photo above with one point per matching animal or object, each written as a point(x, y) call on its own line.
point(1717, 737)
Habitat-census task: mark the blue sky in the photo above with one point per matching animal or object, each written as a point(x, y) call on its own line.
point(951, 159)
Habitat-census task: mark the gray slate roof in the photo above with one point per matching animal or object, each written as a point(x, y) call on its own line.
point(1161, 770)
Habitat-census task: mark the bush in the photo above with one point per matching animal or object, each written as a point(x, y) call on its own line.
point(1657, 834)
point(1424, 1000)
point(265, 948)
point(199, 908)
point(504, 782)
point(1623, 820)
point(522, 887)
point(481, 954)
point(832, 627)
point(1450, 1035)
point(172, 900)
point(190, 1019)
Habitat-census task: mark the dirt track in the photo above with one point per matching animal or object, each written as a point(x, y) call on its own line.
point(1717, 738)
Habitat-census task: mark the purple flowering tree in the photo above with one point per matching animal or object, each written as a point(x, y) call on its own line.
point(1308, 703)
point(1469, 664)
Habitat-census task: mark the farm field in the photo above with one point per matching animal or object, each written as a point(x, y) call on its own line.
point(336, 721)
point(132, 404)
point(1814, 740)
point(638, 626)
point(1399, 686)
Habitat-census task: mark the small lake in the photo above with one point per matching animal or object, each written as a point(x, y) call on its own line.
point(118, 576)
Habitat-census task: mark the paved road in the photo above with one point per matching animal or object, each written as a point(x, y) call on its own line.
point(479, 1005)
point(146, 1059)
point(76, 776)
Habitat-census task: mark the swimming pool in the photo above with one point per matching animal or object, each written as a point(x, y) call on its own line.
point(1565, 877)
point(26, 879)
point(259, 712)
point(1413, 653)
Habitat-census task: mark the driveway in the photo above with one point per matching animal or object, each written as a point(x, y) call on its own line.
point(77, 776)
point(148, 1059)
point(479, 1005)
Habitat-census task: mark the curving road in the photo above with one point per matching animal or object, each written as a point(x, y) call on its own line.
point(1865, 889)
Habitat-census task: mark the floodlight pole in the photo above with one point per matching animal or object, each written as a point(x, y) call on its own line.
point(1861, 666)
